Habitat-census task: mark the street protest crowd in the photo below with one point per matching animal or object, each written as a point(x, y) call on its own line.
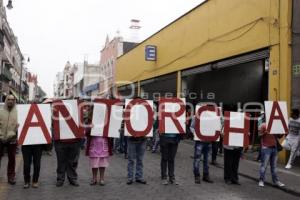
point(99, 149)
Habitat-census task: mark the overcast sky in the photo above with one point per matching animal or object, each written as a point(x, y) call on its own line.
point(52, 32)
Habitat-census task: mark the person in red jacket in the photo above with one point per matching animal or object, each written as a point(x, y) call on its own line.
point(269, 154)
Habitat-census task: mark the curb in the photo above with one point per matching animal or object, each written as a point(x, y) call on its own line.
point(284, 189)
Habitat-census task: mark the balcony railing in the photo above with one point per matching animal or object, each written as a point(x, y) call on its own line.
point(6, 73)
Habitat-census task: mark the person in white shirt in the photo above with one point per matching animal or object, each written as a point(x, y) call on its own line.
point(293, 138)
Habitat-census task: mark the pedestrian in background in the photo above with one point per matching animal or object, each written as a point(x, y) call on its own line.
point(156, 141)
point(269, 154)
point(293, 138)
point(8, 135)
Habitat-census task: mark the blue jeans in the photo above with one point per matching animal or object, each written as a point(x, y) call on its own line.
point(136, 151)
point(268, 155)
point(201, 148)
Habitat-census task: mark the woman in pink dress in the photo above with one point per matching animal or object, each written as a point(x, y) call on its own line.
point(99, 149)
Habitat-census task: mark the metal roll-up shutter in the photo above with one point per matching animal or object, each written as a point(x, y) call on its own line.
point(198, 70)
point(249, 57)
point(243, 59)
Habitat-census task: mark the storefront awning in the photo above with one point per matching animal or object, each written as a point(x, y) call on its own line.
point(91, 88)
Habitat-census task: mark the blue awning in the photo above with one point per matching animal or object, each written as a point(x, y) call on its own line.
point(91, 88)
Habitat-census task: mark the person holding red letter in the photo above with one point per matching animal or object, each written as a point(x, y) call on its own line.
point(232, 155)
point(200, 148)
point(136, 145)
point(8, 135)
point(269, 154)
point(32, 153)
point(98, 149)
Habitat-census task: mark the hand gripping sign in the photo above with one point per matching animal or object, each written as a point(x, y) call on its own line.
point(207, 123)
point(107, 118)
point(236, 129)
point(67, 120)
point(138, 118)
point(34, 124)
point(172, 115)
point(276, 117)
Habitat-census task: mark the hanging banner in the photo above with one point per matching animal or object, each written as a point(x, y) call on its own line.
point(67, 120)
point(236, 129)
point(207, 123)
point(138, 118)
point(276, 117)
point(172, 115)
point(107, 118)
point(34, 124)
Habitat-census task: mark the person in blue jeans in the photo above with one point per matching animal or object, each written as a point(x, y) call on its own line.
point(200, 148)
point(269, 154)
point(136, 150)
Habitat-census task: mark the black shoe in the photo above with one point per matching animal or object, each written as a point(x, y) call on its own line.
point(197, 180)
point(129, 182)
point(214, 163)
point(59, 183)
point(235, 182)
point(207, 179)
point(141, 181)
point(74, 183)
point(11, 181)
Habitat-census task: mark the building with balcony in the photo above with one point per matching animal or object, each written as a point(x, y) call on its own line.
point(11, 59)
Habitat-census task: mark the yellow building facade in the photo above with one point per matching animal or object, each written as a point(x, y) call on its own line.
point(214, 31)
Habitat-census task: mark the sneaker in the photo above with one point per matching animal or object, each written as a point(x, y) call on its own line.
point(102, 183)
point(288, 166)
point(173, 181)
point(141, 181)
point(26, 186)
point(165, 182)
point(129, 182)
point(279, 184)
point(93, 182)
point(35, 185)
point(261, 184)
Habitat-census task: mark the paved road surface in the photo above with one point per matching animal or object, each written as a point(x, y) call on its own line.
point(116, 187)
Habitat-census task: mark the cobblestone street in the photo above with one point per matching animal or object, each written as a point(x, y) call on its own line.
point(116, 187)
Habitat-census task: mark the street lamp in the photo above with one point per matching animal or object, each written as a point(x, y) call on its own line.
point(9, 5)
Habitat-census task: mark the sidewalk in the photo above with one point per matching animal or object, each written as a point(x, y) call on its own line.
point(250, 169)
point(291, 178)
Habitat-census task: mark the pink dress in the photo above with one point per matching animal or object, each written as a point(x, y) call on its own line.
point(99, 152)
